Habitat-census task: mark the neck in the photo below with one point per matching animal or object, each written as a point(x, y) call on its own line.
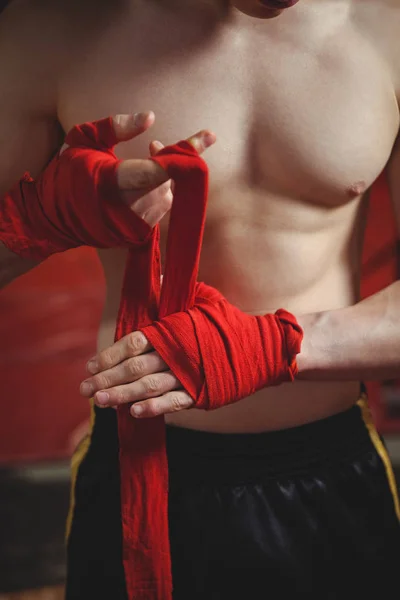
point(221, 10)
point(212, 7)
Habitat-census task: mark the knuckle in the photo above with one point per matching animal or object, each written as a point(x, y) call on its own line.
point(154, 408)
point(152, 385)
point(144, 177)
point(118, 396)
point(136, 342)
point(136, 367)
point(177, 402)
point(105, 359)
point(102, 382)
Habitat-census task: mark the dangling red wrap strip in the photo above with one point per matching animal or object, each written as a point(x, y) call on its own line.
point(219, 354)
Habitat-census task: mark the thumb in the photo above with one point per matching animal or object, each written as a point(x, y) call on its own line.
point(155, 147)
point(127, 127)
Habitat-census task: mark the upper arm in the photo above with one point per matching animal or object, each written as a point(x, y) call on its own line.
point(29, 132)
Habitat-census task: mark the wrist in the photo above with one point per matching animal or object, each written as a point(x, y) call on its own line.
point(312, 353)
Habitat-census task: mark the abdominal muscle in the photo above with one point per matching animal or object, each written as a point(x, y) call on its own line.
point(274, 280)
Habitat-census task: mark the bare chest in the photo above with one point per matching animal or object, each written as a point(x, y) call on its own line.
point(314, 120)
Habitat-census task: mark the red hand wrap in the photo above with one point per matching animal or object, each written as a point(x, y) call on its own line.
point(74, 202)
point(219, 353)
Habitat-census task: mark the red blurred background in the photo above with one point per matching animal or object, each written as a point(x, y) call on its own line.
point(380, 269)
point(48, 326)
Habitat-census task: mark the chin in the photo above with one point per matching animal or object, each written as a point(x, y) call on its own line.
point(277, 4)
point(268, 9)
point(260, 12)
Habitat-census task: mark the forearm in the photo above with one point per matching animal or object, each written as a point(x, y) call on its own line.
point(360, 342)
point(73, 202)
point(12, 266)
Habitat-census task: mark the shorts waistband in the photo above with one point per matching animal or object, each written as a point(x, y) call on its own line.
point(202, 456)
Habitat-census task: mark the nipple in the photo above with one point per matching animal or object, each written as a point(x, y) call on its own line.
point(357, 189)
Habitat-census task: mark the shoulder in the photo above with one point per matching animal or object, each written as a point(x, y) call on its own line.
point(38, 41)
point(379, 20)
point(30, 52)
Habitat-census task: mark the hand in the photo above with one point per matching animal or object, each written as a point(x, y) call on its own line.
point(144, 185)
point(130, 371)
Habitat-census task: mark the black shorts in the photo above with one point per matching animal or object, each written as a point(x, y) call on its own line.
point(309, 512)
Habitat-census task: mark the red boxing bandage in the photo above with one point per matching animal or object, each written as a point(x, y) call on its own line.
point(74, 202)
point(219, 354)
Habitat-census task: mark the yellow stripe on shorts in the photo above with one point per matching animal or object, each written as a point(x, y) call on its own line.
point(381, 450)
point(76, 462)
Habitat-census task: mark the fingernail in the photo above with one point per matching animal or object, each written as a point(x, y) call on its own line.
point(140, 119)
point(158, 145)
point(86, 388)
point(122, 119)
point(137, 411)
point(64, 147)
point(92, 366)
point(102, 398)
point(209, 139)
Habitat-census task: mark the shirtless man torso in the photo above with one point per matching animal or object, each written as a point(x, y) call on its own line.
point(305, 113)
point(305, 109)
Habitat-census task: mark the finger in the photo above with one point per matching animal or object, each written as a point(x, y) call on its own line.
point(168, 403)
point(156, 211)
point(145, 199)
point(63, 148)
point(202, 140)
point(150, 386)
point(155, 147)
point(127, 127)
point(152, 206)
point(140, 174)
point(126, 372)
point(132, 344)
